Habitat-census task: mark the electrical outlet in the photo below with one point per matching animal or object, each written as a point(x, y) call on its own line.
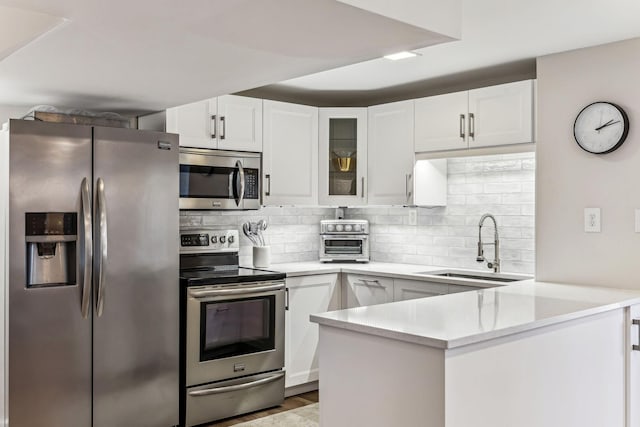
point(413, 217)
point(592, 220)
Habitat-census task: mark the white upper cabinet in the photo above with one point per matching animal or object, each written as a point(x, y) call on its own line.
point(485, 117)
point(194, 123)
point(390, 154)
point(228, 122)
point(239, 123)
point(343, 156)
point(500, 115)
point(441, 122)
point(290, 154)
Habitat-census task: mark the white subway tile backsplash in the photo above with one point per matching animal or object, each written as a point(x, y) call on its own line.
point(502, 185)
point(502, 165)
point(444, 236)
point(505, 187)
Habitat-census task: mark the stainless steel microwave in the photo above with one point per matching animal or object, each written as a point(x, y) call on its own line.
point(216, 179)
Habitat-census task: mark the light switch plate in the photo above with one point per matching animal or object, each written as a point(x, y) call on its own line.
point(413, 217)
point(592, 220)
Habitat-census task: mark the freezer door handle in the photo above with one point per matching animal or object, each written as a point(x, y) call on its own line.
point(228, 389)
point(87, 250)
point(101, 245)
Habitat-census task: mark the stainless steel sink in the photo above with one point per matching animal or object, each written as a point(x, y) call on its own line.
point(477, 275)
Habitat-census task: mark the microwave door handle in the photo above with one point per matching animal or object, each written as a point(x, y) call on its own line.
point(240, 198)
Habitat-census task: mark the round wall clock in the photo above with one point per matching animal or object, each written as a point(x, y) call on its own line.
point(601, 127)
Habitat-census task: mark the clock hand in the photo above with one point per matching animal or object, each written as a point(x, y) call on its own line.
point(609, 123)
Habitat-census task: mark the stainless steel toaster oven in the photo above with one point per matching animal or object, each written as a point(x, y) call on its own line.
point(344, 240)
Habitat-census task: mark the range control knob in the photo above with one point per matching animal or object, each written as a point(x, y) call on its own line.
point(214, 239)
point(356, 227)
point(223, 239)
point(347, 227)
point(339, 227)
point(230, 239)
point(330, 227)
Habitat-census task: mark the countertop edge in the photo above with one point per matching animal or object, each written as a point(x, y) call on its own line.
point(473, 339)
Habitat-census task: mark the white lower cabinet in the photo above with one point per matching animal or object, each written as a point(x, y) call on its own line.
point(307, 295)
point(454, 289)
point(360, 290)
point(633, 368)
point(411, 289)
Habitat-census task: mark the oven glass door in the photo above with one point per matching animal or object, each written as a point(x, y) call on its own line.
point(235, 327)
point(343, 246)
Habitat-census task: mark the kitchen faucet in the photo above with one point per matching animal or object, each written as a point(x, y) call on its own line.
point(495, 264)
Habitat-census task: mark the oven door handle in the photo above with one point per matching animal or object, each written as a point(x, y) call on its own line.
point(226, 292)
point(228, 389)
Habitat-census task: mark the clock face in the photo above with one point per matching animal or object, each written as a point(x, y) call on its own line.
point(601, 127)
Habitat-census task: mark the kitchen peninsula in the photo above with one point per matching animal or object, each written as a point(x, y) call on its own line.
point(531, 354)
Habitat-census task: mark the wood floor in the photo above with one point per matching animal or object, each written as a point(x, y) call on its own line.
point(292, 402)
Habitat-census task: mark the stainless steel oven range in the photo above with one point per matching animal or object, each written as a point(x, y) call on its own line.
point(344, 240)
point(232, 324)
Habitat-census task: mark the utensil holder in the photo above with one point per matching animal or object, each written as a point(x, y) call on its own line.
point(261, 256)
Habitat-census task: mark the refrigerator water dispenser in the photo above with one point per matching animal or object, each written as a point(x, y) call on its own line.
point(51, 248)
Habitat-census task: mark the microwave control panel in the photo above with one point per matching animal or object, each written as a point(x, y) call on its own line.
point(251, 187)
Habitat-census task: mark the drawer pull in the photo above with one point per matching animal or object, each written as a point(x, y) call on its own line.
point(636, 322)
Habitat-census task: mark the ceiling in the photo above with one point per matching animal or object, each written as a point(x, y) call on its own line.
point(500, 39)
point(140, 56)
point(146, 55)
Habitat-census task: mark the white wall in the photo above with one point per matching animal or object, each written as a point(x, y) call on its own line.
point(569, 179)
point(11, 112)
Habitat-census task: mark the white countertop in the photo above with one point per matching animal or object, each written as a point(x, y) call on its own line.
point(455, 320)
point(384, 269)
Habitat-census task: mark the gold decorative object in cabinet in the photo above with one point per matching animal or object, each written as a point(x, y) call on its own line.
point(343, 161)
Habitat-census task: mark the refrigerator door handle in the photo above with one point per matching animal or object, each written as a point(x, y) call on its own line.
point(87, 250)
point(240, 198)
point(101, 212)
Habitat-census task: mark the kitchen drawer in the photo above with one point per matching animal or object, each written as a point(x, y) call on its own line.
point(362, 290)
point(463, 288)
point(225, 399)
point(411, 289)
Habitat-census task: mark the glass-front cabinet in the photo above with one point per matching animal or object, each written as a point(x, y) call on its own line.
point(343, 156)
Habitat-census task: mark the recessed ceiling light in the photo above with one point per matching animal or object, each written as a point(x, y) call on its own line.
point(401, 55)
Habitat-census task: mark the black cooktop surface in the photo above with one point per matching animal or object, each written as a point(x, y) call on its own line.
point(210, 276)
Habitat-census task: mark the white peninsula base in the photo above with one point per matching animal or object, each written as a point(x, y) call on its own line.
point(574, 373)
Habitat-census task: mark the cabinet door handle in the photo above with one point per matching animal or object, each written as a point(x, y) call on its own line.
point(462, 135)
point(286, 298)
point(268, 178)
point(472, 126)
point(362, 187)
point(223, 127)
point(213, 127)
point(371, 283)
point(636, 322)
point(407, 191)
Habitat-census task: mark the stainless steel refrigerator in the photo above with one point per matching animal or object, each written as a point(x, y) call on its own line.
point(93, 266)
